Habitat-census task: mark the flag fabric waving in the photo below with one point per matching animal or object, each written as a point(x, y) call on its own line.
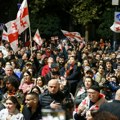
point(77, 36)
point(115, 27)
point(12, 33)
point(23, 17)
point(68, 35)
point(37, 38)
point(17, 26)
point(72, 35)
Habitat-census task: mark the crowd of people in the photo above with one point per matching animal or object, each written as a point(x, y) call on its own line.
point(80, 78)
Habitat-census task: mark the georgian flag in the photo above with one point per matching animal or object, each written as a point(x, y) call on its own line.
point(17, 26)
point(77, 36)
point(69, 35)
point(23, 17)
point(115, 27)
point(13, 40)
point(72, 35)
point(12, 32)
point(37, 38)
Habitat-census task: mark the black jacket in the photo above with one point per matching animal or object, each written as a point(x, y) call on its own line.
point(46, 98)
point(28, 114)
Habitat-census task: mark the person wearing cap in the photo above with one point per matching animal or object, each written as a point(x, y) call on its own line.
point(46, 68)
point(27, 66)
point(53, 73)
point(92, 102)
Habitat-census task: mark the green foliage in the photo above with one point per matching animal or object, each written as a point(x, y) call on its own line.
point(44, 15)
point(36, 5)
point(48, 25)
point(107, 21)
point(85, 11)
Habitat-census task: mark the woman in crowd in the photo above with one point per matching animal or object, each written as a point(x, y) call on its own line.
point(26, 83)
point(12, 110)
point(81, 91)
point(40, 82)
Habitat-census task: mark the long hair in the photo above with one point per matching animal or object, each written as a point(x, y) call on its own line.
point(14, 101)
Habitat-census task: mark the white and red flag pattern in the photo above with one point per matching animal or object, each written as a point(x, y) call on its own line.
point(12, 32)
point(72, 35)
point(37, 38)
point(17, 26)
point(23, 17)
point(115, 27)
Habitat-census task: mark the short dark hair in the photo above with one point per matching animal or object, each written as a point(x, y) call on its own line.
point(36, 88)
point(34, 94)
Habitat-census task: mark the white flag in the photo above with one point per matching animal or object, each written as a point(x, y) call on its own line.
point(72, 35)
point(77, 36)
point(37, 38)
point(23, 17)
point(12, 32)
point(68, 35)
point(115, 27)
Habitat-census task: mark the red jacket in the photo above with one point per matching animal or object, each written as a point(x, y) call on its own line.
point(45, 70)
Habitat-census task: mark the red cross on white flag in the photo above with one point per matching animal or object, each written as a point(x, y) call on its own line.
point(17, 26)
point(37, 38)
point(12, 33)
point(115, 27)
point(72, 35)
point(23, 17)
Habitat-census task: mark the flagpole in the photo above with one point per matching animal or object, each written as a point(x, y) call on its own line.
point(30, 32)
point(30, 39)
point(20, 14)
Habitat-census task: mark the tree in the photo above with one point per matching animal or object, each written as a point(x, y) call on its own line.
point(92, 11)
point(106, 22)
point(48, 25)
point(50, 15)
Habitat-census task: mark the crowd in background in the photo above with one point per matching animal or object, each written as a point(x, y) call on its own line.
point(60, 74)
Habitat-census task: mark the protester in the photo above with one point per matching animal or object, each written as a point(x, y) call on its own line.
point(32, 108)
point(46, 68)
point(70, 63)
point(40, 82)
point(9, 71)
point(12, 110)
point(81, 91)
point(27, 83)
point(92, 102)
point(53, 97)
